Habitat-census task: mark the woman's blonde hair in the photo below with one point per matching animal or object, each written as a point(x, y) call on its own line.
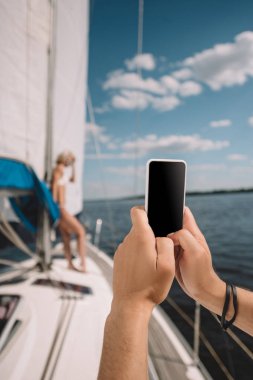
point(66, 155)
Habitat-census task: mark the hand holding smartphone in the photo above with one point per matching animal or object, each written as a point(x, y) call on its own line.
point(165, 195)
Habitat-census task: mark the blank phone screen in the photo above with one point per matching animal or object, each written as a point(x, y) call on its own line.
point(166, 189)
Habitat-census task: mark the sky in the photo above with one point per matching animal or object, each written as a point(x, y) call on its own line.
point(188, 95)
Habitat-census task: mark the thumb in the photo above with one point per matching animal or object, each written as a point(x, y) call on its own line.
point(165, 256)
point(191, 225)
point(139, 217)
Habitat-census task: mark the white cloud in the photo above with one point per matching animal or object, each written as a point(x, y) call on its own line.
point(112, 145)
point(190, 88)
point(130, 100)
point(224, 65)
point(122, 80)
point(182, 74)
point(94, 190)
point(104, 108)
point(94, 131)
point(250, 121)
point(112, 156)
point(173, 144)
point(170, 83)
point(207, 167)
point(98, 132)
point(129, 171)
point(166, 103)
point(142, 61)
point(220, 123)
point(237, 157)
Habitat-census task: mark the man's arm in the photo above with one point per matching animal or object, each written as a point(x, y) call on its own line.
point(125, 343)
point(198, 279)
point(143, 272)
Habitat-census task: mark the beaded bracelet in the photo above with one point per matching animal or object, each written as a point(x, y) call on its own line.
point(224, 323)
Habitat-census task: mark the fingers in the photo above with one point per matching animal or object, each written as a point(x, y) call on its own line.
point(186, 240)
point(166, 259)
point(139, 217)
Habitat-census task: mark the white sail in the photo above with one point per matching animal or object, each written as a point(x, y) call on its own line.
point(72, 18)
point(25, 35)
point(24, 40)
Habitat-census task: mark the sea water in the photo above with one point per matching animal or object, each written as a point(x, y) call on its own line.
point(226, 221)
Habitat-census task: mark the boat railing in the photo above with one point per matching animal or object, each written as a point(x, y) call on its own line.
point(199, 336)
point(97, 234)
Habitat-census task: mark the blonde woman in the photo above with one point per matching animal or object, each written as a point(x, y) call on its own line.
point(68, 224)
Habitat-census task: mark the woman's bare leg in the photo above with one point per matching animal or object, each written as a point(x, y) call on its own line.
point(66, 242)
point(81, 247)
point(74, 226)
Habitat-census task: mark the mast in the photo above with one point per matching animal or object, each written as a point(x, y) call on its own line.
point(43, 237)
point(50, 95)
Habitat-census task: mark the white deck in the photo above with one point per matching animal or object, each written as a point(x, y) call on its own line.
point(77, 348)
point(61, 333)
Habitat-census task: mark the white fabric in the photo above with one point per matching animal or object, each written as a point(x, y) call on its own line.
point(24, 38)
point(70, 90)
point(24, 42)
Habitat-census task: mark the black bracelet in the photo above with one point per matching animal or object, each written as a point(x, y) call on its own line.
point(224, 323)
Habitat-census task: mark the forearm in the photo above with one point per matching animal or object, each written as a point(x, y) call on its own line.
point(125, 346)
point(214, 301)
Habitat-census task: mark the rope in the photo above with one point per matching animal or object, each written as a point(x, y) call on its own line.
point(10, 234)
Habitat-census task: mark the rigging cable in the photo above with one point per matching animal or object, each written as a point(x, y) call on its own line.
point(99, 155)
point(137, 113)
point(204, 339)
point(27, 85)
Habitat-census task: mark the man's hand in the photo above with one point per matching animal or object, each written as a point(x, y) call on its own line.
point(144, 266)
point(194, 270)
point(195, 274)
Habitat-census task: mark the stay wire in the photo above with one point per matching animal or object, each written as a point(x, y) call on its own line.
point(137, 112)
point(203, 338)
point(101, 171)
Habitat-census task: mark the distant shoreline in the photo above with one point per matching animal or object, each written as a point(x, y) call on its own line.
point(189, 193)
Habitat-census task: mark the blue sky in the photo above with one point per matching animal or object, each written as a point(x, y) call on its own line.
point(188, 96)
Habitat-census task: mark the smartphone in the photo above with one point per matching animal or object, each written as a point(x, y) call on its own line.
point(165, 195)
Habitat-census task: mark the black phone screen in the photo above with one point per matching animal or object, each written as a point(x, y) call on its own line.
point(166, 189)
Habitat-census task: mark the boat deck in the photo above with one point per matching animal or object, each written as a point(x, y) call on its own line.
point(62, 329)
point(177, 363)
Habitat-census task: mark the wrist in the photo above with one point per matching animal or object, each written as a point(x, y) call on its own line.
point(213, 296)
point(132, 308)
